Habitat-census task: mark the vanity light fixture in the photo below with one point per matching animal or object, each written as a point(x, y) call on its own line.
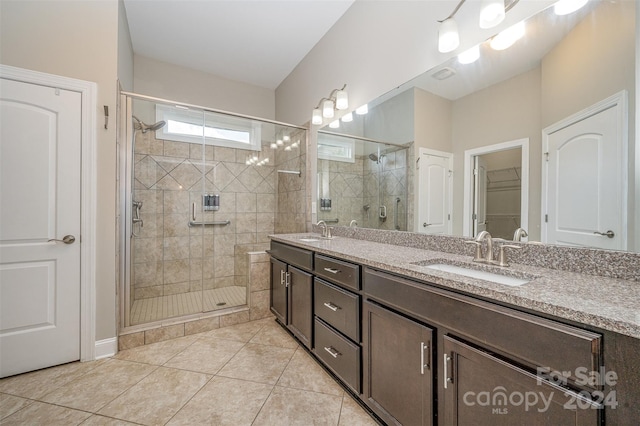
point(492, 12)
point(470, 56)
point(347, 118)
point(362, 110)
point(565, 7)
point(448, 37)
point(337, 100)
point(334, 124)
point(286, 138)
point(279, 142)
point(506, 38)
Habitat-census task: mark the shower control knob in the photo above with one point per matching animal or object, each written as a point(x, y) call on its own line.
point(67, 239)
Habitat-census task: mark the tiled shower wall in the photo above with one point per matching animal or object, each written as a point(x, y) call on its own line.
point(169, 257)
point(354, 189)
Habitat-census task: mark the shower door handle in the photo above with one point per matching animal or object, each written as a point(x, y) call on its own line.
point(67, 239)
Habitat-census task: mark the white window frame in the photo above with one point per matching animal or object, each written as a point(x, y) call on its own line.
point(347, 144)
point(196, 117)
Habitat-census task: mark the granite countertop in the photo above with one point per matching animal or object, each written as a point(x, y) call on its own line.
point(607, 303)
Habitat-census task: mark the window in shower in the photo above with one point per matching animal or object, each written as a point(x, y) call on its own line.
point(186, 125)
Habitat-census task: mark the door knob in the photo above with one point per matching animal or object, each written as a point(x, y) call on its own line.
point(67, 239)
point(608, 234)
point(426, 224)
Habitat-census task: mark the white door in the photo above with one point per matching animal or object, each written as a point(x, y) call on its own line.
point(479, 195)
point(40, 140)
point(585, 198)
point(434, 194)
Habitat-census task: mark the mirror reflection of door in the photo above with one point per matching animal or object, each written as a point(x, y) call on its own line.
point(434, 192)
point(498, 193)
point(584, 180)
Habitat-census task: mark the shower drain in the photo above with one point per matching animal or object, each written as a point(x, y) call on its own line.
point(221, 304)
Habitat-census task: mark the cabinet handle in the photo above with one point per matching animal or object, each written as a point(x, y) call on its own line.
point(331, 306)
point(424, 364)
point(333, 271)
point(282, 277)
point(334, 353)
point(287, 279)
point(447, 379)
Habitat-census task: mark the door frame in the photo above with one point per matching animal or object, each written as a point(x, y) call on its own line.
point(619, 101)
point(420, 189)
point(88, 184)
point(468, 181)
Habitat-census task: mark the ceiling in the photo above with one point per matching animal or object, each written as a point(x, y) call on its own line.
point(257, 42)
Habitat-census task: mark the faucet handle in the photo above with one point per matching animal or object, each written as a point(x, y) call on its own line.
point(329, 228)
point(502, 257)
point(478, 256)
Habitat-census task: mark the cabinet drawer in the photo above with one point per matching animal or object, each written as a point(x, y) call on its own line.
point(338, 307)
point(528, 339)
point(338, 271)
point(337, 353)
point(292, 255)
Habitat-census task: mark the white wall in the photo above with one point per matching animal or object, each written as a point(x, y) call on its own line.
point(77, 39)
point(378, 45)
point(176, 83)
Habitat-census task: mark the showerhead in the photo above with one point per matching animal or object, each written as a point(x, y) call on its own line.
point(373, 157)
point(144, 128)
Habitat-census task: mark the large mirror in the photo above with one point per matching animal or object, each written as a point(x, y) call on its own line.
point(497, 144)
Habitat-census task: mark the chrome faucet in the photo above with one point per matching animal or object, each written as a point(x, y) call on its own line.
point(353, 224)
point(323, 225)
point(519, 234)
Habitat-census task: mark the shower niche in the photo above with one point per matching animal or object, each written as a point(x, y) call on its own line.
point(199, 190)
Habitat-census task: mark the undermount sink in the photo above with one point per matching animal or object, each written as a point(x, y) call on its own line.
point(309, 240)
point(479, 274)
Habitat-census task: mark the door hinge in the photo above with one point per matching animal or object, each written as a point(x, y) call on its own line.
point(475, 216)
point(475, 172)
point(546, 156)
point(449, 216)
point(418, 164)
point(546, 218)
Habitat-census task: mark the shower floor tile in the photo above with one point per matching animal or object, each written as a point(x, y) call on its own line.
point(264, 380)
point(161, 307)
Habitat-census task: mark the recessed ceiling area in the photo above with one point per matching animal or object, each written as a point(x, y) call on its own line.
point(257, 42)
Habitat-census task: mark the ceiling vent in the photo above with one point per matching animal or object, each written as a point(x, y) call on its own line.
point(444, 73)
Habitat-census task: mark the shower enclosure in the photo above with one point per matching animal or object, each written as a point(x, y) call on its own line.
point(199, 190)
point(365, 181)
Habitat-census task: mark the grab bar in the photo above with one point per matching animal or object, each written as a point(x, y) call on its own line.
point(193, 222)
point(336, 220)
point(219, 222)
point(395, 214)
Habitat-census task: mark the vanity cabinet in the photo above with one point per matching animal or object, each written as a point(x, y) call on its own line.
point(337, 318)
point(398, 373)
point(481, 389)
point(291, 294)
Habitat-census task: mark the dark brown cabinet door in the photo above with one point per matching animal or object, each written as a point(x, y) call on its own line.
point(300, 304)
point(278, 294)
point(481, 389)
point(398, 378)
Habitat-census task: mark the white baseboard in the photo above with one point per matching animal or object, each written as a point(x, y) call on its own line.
point(106, 348)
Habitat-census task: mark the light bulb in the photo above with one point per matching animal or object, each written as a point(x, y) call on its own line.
point(286, 138)
point(287, 148)
point(327, 109)
point(469, 56)
point(279, 142)
point(491, 13)
point(448, 38)
point(347, 118)
point(362, 110)
point(334, 124)
point(273, 146)
point(565, 7)
point(342, 101)
point(316, 117)
point(506, 38)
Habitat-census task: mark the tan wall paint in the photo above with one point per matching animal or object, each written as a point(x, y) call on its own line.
point(78, 40)
point(176, 83)
point(125, 50)
point(503, 112)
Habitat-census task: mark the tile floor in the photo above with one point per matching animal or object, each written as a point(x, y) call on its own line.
point(247, 374)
